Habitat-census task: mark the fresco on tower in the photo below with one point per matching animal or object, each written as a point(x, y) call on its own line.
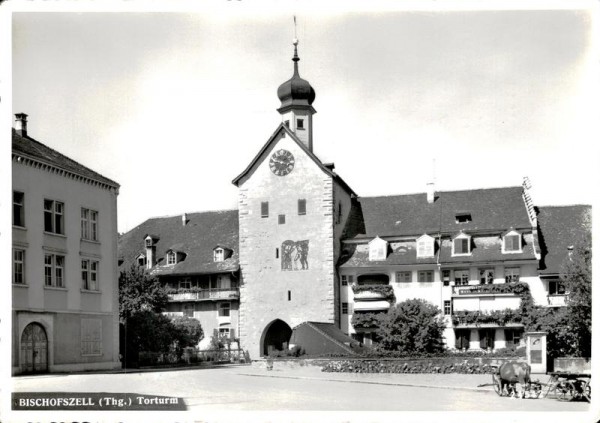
point(294, 255)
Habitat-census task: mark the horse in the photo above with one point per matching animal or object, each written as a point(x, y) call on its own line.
point(512, 372)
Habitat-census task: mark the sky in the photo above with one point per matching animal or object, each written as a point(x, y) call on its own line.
point(173, 106)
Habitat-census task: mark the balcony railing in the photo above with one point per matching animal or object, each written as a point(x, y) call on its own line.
point(205, 294)
point(516, 288)
point(558, 300)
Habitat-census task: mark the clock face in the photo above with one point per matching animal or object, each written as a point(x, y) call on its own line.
point(282, 162)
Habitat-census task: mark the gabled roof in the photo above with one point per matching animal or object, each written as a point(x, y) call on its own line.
point(273, 138)
point(27, 147)
point(560, 228)
point(494, 209)
point(196, 239)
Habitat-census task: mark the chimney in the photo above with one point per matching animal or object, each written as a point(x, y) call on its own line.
point(184, 219)
point(21, 124)
point(430, 192)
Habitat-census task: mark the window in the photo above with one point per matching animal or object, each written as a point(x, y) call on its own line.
point(54, 269)
point(463, 218)
point(286, 123)
point(185, 283)
point(513, 337)
point(462, 339)
point(149, 242)
point(461, 277)
point(224, 333)
point(425, 276)
point(446, 277)
point(18, 209)
point(264, 209)
point(91, 337)
point(276, 253)
point(89, 275)
point(486, 338)
point(511, 274)
point(425, 246)
point(447, 308)
point(301, 207)
point(54, 217)
point(556, 288)
point(512, 242)
point(344, 280)
point(18, 266)
point(219, 254)
point(461, 245)
point(289, 295)
point(299, 123)
point(281, 219)
point(89, 224)
point(486, 276)
point(404, 276)
point(344, 308)
point(188, 310)
point(224, 309)
point(171, 258)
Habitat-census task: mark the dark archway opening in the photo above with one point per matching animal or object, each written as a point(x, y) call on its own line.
point(34, 349)
point(276, 337)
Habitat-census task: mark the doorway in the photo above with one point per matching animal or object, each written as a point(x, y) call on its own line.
point(276, 337)
point(34, 349)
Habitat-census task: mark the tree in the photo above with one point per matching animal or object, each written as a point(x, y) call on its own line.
point(412, 326)
point(139, 291)
point(577, 278)
point(141, 299)
point(188, 332)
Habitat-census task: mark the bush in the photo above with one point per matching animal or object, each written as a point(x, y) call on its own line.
point(412, 326)
point(297, 351)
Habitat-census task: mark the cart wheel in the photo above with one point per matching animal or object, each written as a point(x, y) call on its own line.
point(587, 393)
point(565, 391)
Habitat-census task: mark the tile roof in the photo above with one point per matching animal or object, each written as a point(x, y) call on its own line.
point(28, 147)
point(490, 209)
point(561, 227)
point(197, 239)
point(485, 249)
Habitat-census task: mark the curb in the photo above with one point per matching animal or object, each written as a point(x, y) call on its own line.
point(414, 385)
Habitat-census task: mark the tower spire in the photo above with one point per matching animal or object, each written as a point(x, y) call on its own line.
point(295, 43)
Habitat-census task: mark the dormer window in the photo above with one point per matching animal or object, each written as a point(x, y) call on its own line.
point(141, 260)
point(378, 249)
point(425, 246)
point(511, 242)
point(221, 253)
point(171, 258)
point(461, 245)
point(463, 217)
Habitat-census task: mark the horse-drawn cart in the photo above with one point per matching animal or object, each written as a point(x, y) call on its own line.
point(567, 386)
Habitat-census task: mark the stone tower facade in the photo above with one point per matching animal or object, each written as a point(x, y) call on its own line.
point(292, 208)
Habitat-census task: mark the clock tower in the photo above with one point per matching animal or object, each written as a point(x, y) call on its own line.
point(292, 212)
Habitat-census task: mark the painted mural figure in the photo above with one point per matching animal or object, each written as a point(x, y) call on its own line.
point(294, 255)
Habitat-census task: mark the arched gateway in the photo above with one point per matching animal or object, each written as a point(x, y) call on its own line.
point(276, 336)
point(34, 349)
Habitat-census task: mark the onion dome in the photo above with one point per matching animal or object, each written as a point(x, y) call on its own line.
point(296, 91)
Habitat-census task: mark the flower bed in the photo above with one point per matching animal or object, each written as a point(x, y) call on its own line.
point(500, 317)
point(366, 320)
point(426, 365)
